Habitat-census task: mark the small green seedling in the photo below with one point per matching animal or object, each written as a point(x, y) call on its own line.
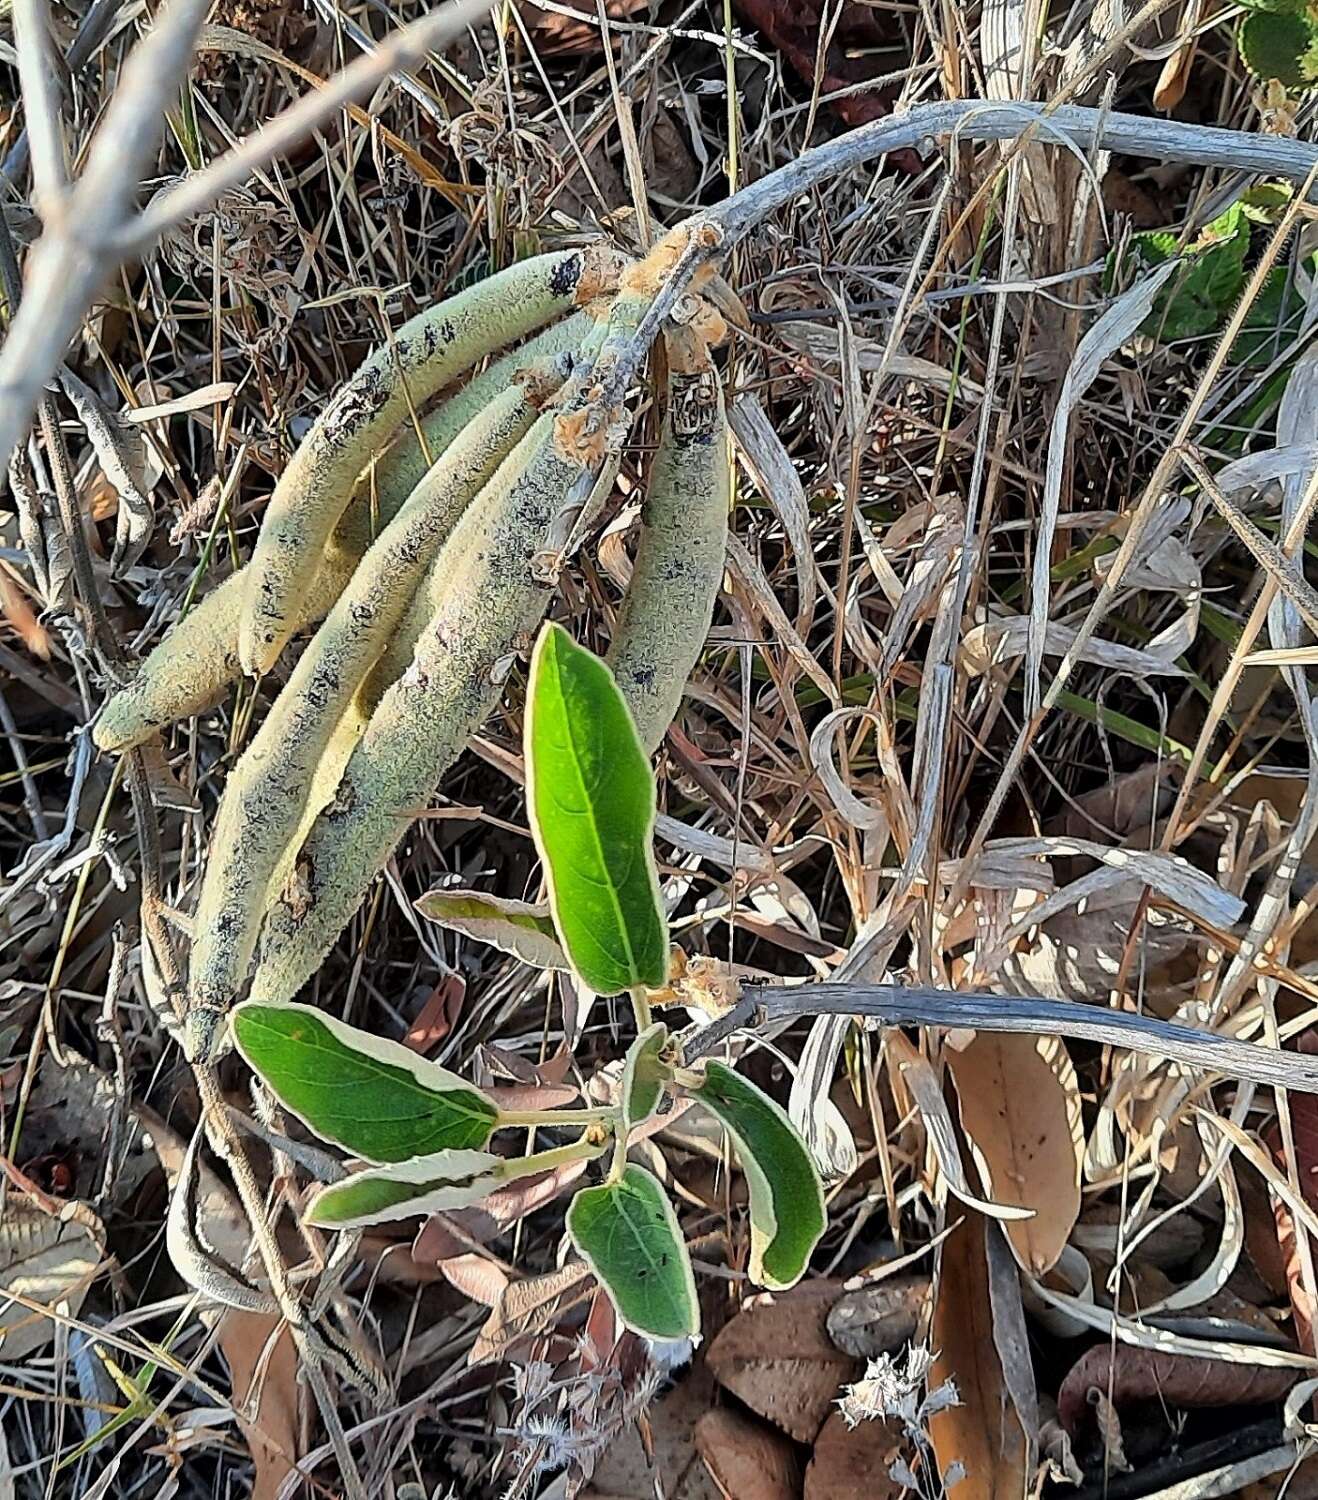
point(425, 1133)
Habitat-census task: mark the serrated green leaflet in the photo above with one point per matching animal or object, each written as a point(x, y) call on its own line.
point(628, 1235)
point(374, 1098)
point(1275, 45)
point(450, 1179)
point(787, 1201)
point(643, 1075)
point(516, 927)
point(590, 793)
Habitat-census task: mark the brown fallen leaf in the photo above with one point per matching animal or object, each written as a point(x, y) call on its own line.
point(272, 1430)
point(855, 36)
point(19, 614)
point(530, 1307)
point(558, 35)
point(877, 1319)
point(1020, 1110)
point(852, 1463)
point(983, 1434)
point(1126, 1374)
point(476, 1276)
point(748, 1460)
point(435, 1019)
point(777, 1357)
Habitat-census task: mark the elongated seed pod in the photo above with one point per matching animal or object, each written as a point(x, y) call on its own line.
point(267, 791)
point(196, 662)
point(403, 465)
point(494, 596)
point(192, 668)
point(427, 352)
point(665, 615)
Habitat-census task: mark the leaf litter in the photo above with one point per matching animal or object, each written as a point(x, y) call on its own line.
point(948, 419)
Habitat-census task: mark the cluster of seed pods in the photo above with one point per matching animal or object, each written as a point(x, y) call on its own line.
point(427, 553)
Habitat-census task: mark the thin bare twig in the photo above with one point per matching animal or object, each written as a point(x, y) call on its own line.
point(69, 264)
point(41, 102)
point(405, 49)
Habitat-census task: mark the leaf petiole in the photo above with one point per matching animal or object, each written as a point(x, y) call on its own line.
point(641, 1006)
point(604, 1113)
point(586, 1148)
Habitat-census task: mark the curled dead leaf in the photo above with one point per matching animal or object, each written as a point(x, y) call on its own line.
point(1123, 1374)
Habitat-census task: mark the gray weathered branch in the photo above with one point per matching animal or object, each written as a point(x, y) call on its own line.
point(896, 1005)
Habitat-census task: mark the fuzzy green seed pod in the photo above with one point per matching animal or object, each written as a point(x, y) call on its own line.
point(664, 619)
point(427, 352)
point(494, 596)
point(266, 794)
point(192, 668)
point(402, 466)
point(196, 662)
point(489, 588)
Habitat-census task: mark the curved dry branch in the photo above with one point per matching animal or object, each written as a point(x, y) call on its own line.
point(899, 1005)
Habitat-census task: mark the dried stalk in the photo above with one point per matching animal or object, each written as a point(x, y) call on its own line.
point(95, 225)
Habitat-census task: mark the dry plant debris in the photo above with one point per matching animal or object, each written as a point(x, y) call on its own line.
point(951, 545)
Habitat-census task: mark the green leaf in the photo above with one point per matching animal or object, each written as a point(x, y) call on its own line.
point(1198, 299)
point(375, 1098)
point(516, 927)
point(1273, 45)
point(787, 1201)
point(590, 793)
point(643, 1076)
point(424, 1185)
point(628, 1235)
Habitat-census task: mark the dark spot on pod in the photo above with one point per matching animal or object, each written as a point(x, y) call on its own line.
point(566, 275)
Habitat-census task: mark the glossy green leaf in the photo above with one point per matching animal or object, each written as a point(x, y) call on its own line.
point(516, 927)
point(424, 1185)
point(375, 1098)
point(590, 792)
point(786, 1199)
point(628, 1235)
point(643, 1075)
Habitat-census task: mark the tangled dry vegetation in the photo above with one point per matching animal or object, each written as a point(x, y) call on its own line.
point(1004, 697)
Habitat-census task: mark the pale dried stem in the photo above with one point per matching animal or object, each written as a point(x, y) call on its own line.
point(405, 49)
point(96, 226)
point(896, 1005)
point(41, 102)
point(69, 263)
